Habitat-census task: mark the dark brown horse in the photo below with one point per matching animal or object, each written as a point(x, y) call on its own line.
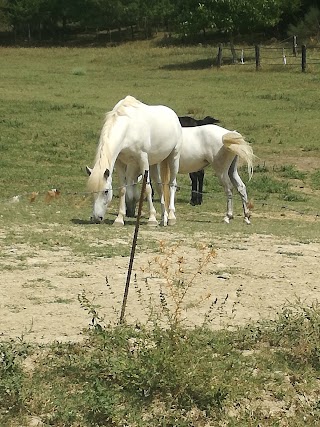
point(196, 177)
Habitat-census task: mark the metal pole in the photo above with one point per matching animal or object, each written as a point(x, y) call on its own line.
point(133, 248)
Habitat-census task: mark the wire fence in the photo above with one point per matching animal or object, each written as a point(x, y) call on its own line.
point(287, 54)
point(53, 194)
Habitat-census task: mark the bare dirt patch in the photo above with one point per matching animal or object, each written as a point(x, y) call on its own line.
point(247, 280)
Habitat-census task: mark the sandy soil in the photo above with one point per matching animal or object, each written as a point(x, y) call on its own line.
point(245, 280)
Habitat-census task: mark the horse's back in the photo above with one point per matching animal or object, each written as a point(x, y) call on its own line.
point(200, 145)
point(203, 136)
point(154, 129)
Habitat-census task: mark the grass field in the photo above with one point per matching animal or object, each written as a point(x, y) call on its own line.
point(52, 105)
point(53, 102)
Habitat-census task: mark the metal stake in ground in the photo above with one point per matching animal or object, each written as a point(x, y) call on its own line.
point(133, 248)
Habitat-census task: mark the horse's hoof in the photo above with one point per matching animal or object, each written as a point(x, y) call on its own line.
point(153, 223)
point(172, 221)
point(118, 223)
point(226, 219)
point(247, 220)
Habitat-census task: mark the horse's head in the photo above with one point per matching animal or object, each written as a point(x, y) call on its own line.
point(101, 197)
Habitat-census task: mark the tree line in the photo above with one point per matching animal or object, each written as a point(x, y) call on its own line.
point(37, 20)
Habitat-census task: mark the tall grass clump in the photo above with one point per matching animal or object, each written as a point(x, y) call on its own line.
point(12, 378)
point(297, 333)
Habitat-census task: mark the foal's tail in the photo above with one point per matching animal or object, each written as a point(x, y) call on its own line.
point(165, 179)
point(235, 142)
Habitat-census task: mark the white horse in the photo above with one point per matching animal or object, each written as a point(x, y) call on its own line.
point(133, 138)
point(221, 148)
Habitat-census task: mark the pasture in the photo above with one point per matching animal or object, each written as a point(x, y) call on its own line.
point(59, 273)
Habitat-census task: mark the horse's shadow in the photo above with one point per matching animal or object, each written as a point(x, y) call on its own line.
point(200, 64)
point(78, 221)
point(107, 221)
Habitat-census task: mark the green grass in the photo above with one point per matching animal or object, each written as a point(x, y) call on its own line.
point(52, 105)
point(262, 374)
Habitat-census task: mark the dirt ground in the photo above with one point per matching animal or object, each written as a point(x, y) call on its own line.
point(246, 280)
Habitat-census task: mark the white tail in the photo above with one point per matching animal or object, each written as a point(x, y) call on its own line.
point(235, 142)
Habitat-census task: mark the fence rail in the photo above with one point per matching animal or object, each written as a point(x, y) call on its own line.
point(284, 55)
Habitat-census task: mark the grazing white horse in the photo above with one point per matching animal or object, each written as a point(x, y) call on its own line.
point(214, 145)
point(134, 138)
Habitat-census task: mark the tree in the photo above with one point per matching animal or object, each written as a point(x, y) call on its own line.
point(229, 16)
point(22, 15)
point(309, 26)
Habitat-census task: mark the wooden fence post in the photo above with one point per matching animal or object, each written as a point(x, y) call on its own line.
point(294, 45)
point(303, 58)
point(234, 54)
point(219, 57)
point(257, 52)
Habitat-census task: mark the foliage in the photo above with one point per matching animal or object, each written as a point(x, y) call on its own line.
point(55, 19)
point(309, 26)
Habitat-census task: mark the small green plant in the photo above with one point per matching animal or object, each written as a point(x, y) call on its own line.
point(12, 377)
point(261, 168)
point(79, 71)
point(315, 180)
point(264, 184)
point(293, 197)
point(290, 172)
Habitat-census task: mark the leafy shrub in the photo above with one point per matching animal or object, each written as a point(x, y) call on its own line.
point(11, 377)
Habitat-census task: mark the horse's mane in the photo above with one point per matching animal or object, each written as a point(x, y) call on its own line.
point(122, 107)
point(103, 154)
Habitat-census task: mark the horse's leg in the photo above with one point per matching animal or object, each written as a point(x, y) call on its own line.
point(144, 166)
point(241, 188)
point(121, 171)
point(194, 188)
point(171, 215)
point(174, 168)
point(132, 191)
point(227, 186)
point(200, 176)
point(156, 178)
point(152, 221)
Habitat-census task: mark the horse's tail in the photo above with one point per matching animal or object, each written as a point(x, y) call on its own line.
point(235, 142)
point(165, 179)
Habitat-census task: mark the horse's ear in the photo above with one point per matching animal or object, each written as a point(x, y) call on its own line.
point(88, 170)
point(106, 173)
